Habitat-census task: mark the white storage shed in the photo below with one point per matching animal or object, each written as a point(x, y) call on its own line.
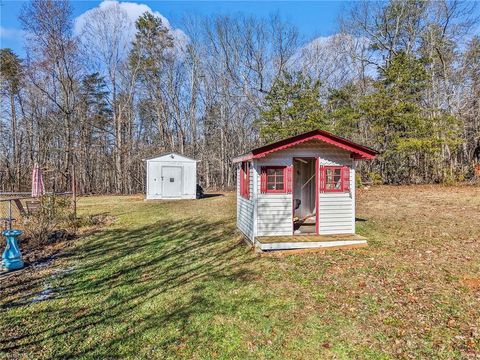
point(171, 176)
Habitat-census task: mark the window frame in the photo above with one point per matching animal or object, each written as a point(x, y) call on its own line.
point(276, 191)
point(325, 169)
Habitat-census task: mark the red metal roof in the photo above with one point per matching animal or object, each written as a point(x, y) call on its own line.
point(357, 151)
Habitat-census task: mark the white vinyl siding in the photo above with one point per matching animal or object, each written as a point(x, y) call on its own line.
point(270, 214)
point(245, 213)
point(337, 210)
point(274, 214)
point(274, 211)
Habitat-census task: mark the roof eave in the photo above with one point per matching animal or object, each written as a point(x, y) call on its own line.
point(357, 151)
point(241, 158)
point(169, 153)
point(360, 152)
point(362, 157)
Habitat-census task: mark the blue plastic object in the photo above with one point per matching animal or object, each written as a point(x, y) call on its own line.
point(12, 257)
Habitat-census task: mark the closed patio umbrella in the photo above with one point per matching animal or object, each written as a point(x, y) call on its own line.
point(38, 188)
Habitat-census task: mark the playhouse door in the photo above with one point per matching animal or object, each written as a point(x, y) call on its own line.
point(172, 181)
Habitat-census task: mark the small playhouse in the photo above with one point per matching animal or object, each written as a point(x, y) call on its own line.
point(171, 176)
point(299, 193)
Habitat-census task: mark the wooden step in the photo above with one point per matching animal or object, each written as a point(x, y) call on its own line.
point(275, 243)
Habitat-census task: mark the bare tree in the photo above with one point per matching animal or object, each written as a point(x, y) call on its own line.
point(53, 64)
point(117, 93)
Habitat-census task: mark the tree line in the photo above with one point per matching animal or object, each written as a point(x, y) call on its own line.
point(99, 97)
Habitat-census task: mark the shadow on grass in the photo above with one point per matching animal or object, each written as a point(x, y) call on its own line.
point(120, 275)
point(206, 196)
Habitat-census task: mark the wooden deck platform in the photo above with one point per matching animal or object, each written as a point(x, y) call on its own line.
point(269, 243)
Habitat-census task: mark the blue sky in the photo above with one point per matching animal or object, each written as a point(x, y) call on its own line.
point(311, 18)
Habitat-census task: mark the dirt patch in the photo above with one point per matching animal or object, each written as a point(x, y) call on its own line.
point(90, 224)
point(43, 262)
point(471, 283)
point(34, 253)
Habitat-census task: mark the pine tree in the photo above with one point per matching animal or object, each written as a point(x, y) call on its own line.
point(149, 47)
point(342, 108)
point(291, 107)
point(408, 135)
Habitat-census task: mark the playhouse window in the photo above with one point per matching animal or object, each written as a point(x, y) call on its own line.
point(245, 180)
point(275, 179)
point(333, 178)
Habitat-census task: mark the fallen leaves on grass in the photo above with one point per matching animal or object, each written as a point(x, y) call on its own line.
point(471, 283)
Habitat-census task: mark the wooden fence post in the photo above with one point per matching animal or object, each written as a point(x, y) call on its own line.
point(74, 193)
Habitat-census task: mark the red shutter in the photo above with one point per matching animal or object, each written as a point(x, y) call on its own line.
point(263, 180)
point(288, 175)
point(247, 181)
point(240, 179)
point(321, 176)
point(346, 178)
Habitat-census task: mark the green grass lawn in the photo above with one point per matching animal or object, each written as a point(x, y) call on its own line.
point(175, 280)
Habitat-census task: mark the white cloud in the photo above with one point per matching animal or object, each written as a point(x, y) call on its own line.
point(11, 33)
point(335, 43)
point(333, 59)
point(133, 11)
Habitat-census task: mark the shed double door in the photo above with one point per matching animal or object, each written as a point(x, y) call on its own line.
point(154, 180)
point(172, 183)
